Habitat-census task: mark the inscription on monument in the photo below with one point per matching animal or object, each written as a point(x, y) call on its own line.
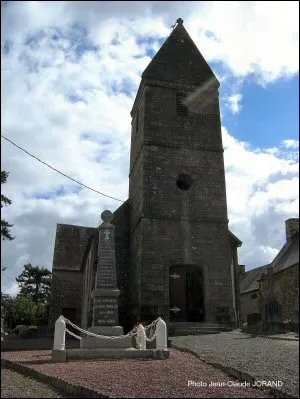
point(105, 311)
point(106, 276)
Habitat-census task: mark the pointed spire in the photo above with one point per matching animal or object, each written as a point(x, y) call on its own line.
point(179, 60)
point(179, 21)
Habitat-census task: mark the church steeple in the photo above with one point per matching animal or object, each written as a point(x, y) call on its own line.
point(177, 194)
point(179, 60)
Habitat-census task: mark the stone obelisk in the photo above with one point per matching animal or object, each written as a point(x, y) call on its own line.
point(105, 294)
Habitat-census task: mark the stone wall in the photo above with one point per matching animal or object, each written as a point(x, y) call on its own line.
point(285, 288)
point(249, 304)
point(135, 271)
point(170, 242)
point(66, 292)
point(291, 227)
point(122, 238)
point(235, 273)
point(170, 226)
point(71, 244)
point(89, 284)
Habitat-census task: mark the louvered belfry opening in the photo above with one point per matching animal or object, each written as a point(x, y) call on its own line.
point(181, 107)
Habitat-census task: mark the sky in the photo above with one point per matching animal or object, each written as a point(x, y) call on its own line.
point(70, 72)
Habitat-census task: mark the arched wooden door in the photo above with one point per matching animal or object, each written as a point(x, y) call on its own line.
point(186, 294)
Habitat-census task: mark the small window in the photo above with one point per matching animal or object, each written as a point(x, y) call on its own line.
point(181, 107)
point(254, 296)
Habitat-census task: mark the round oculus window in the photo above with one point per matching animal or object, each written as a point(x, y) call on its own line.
point(184, 182)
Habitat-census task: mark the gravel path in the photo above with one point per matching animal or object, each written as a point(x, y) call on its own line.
point(15, 385)
point(141, 378)
point(262, 358)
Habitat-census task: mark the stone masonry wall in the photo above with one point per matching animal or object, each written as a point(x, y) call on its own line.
point(121, 223)
point(67, 277)
point(88, 284)
point(291, 227)
point(177, 226)
point(66, 293)
point(163, 126)
point(249, 304)
point(286, 288)
point(171, 242)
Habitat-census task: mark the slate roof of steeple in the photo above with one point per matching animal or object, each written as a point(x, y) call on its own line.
point(179, 60)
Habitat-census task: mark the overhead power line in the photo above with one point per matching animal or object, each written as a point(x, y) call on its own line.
point(5, 275)
point(63, 174)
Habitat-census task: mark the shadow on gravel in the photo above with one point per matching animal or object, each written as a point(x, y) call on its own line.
point(33, 362)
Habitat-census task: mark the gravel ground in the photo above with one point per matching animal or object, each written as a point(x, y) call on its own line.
point(264, 359)
point(15, 385)
point(141, 378)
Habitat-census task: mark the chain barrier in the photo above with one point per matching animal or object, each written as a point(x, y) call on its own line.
point(130, 333)
point(74, 335)
point(151, 329)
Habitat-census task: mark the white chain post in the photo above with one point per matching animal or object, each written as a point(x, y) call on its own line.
point(141, 337)
point(161, 335)
point(59, 334)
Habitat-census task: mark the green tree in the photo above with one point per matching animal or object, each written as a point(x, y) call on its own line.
point(22, 311)
point(5, 233)
point(35, 283)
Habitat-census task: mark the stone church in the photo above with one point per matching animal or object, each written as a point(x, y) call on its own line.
point(175, 256)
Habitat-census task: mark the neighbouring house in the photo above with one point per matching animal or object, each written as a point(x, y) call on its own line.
point(271, 292)
point(249, 294)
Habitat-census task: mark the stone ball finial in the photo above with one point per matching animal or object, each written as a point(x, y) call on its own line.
point(179, 21)
point(107, 216)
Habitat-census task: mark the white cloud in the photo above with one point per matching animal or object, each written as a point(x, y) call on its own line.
point(234, 102)
point(251, 38)
point(262, 192)
point(67, 96)
point(291, 143)
point(11, 287)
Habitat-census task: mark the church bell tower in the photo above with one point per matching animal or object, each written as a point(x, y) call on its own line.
point(179, 237)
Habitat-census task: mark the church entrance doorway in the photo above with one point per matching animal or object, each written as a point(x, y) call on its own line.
point(186, 293)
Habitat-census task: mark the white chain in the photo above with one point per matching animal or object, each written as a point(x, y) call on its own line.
point(152, 331)
point(74, 335)
point(97, 335)
point(130, 333)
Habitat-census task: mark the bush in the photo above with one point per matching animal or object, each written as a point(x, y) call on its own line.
point(26, 331)
point(29, 332)
point(19, 310)
point(17, 330)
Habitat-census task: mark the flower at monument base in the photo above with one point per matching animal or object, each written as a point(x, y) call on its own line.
point(287, 324)
point(286, 321)
point(143, 323)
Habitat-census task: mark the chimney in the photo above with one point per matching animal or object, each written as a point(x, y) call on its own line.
point(241, 269)
point(291, 227)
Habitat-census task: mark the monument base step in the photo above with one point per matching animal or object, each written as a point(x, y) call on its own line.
point(108, 354)
point(106, 342)
point(106, 330)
